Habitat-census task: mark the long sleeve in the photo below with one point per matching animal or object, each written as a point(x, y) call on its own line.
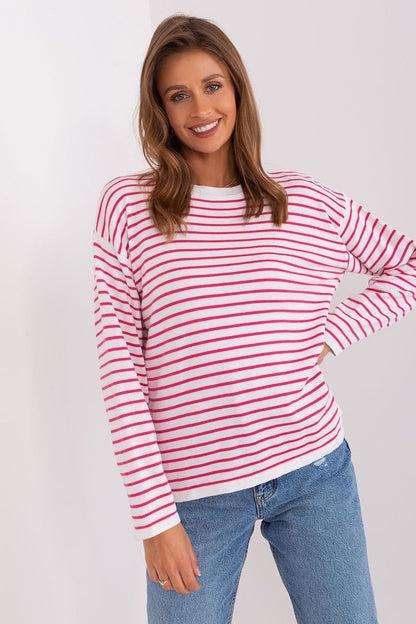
point(124, 383)
point(389, 257)
point(208, 345)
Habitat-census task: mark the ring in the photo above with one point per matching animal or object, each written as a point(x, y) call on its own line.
point(163, 582)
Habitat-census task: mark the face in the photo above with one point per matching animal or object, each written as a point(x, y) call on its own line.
point(199, 99)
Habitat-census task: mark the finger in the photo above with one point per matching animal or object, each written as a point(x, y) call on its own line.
point(162, 576)
point(167, 586)
point(189, 580)
point(194, 562)
point(153, 574)
point(177, 583)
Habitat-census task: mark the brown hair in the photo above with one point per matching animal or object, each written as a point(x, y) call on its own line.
point(171, 174)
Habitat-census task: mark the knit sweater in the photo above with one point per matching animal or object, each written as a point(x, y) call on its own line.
point(208, 344)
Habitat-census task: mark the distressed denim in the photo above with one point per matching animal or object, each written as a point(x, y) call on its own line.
point(311, 518)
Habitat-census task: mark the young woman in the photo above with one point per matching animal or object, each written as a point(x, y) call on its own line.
point(213, 285)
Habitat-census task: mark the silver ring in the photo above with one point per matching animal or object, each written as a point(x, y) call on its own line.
point(163, 582)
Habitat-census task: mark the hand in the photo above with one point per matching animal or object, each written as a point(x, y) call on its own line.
point(326, 349)
point(170, 555)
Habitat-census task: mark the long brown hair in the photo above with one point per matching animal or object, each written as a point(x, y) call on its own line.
point(169, 200)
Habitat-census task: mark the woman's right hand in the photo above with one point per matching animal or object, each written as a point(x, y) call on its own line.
point(170, 555)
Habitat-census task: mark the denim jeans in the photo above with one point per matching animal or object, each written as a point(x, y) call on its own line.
point(311, 518)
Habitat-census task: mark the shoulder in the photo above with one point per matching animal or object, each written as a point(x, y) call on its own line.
point(293, 180)
point(117, 188)
point(114, 199)
point(302, 188)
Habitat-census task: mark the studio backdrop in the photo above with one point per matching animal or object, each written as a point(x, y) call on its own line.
point(336, 93)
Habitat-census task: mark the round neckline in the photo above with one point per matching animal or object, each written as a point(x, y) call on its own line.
point(216, 191)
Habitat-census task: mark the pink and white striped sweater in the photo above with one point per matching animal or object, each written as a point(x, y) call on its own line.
point(208, 344)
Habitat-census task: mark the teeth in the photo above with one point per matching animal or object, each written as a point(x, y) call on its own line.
point(206, 128)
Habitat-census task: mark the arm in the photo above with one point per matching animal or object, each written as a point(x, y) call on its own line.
point(390, 258)
point(124, 384)
point(168, 550)
point(123, 377)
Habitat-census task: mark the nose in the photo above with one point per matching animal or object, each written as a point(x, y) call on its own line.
point(200, 107)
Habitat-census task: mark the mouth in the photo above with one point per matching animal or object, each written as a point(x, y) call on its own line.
point(205, 130)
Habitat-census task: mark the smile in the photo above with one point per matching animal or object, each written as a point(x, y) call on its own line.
point(207, 128)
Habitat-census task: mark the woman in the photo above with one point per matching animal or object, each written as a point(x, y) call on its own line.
point(213, 285)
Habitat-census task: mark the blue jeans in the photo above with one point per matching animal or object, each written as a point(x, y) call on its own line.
point(311, 518)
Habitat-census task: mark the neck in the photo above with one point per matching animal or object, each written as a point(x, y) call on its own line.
point(217, 169)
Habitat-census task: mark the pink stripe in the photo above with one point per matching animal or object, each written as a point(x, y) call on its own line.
point(138, 401)
point(277, 322)
point(312, 319)
point(211, 419)
point(256, 443)
point(147, 502)
point(221, 283)
point(410, 245)
point(396, 248)
point(278, 421)
point(147, 526)
point(361, 305)
point(240, 303)
point(376, 243)
point(224, 384)
point(370, 238)
point(393, 316)
point(403, 311)
point(363, 230)
point(227, 348)
point(343, 319)
point(101, 213)
point(250, 474)
point(365, 296)
point(377, 260)
point(154, 487)
point(245, 456)
point(206, 376)
point(356, 315)
point(279, 258)
point(234, 427)
point(154, 511)
point(335, 337)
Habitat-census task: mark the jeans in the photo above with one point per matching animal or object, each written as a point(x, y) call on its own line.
point(311, 518)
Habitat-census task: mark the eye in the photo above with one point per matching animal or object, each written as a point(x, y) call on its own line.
point(178, 97)
point(214, 86)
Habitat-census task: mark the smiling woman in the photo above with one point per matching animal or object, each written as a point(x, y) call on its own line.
point(201, 109)
point(210, 343)
point(192, 76)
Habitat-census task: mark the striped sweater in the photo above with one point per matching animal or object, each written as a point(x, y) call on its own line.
point(208, 345)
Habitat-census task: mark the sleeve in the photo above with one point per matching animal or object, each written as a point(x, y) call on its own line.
point(390, 258)
point(123, 381)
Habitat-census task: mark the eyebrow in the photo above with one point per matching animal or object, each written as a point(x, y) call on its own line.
point(175, 87)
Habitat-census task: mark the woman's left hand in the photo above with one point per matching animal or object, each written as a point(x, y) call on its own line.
point(324, 352)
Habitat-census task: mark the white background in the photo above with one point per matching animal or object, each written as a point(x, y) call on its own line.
point(336, 92)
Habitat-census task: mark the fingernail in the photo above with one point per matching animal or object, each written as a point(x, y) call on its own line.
point(198, 572)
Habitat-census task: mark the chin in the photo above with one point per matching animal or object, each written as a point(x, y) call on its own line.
point(209, 149)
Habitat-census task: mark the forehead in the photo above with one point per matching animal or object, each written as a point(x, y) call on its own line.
point(189, 65)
